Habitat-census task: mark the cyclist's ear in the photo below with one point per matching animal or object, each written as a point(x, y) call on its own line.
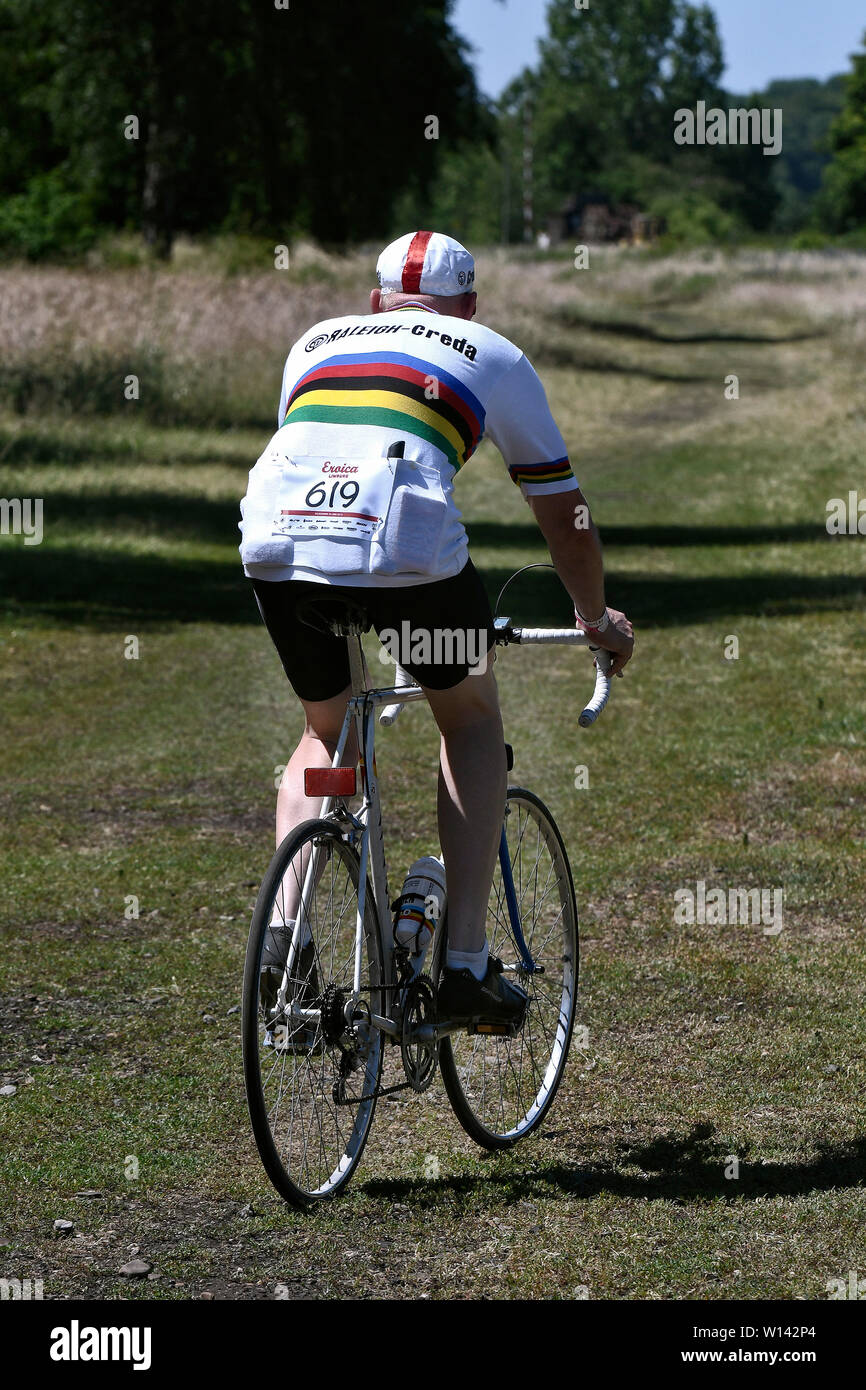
point(375, 301)
point(473, 305)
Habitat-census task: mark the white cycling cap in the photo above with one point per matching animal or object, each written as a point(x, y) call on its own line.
point(426, 263)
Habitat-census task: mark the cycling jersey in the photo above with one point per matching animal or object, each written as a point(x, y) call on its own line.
point(326, 503)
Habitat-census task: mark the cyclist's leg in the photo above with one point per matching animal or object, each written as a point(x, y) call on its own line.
point(471, 804)
point(455, 614)
point(317, 666)
point(316, 748)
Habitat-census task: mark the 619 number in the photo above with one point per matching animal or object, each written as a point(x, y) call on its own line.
point(318, 493)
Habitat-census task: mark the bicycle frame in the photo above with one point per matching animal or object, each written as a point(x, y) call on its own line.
point(361, 711)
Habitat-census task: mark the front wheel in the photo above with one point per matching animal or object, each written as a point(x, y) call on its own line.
point(501, 1088)
point(312, 1059)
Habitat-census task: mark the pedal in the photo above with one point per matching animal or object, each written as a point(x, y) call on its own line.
point(496, 1030)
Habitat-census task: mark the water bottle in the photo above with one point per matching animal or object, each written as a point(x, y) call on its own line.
point(419, 907)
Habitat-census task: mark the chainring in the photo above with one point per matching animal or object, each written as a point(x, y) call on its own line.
point(420, 1060)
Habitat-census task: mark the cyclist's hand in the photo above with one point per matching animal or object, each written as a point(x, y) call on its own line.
point(617, 638)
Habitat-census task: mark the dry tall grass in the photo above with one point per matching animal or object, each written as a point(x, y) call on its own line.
point(209, 348)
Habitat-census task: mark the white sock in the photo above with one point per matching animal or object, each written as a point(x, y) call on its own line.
point(306, 934)
point(476, 961)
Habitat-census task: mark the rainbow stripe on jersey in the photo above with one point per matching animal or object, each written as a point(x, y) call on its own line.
point(394, 390)
point(558, 471)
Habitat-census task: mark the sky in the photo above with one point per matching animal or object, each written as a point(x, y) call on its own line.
point(761, 39)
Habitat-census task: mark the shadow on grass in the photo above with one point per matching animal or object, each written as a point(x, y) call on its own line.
point(688, 1168)
point(27, 446)
point(212, 520)
point(572, 318)
point(545, 353)
point(149, 511)
point(538, 599)
point(99, 590)
point(496, 535)
point(105, 589)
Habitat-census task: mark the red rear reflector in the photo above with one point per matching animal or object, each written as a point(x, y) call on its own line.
point(329, 781)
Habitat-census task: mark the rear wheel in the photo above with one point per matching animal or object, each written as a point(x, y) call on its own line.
point(501, 1088)
point(312, 1060)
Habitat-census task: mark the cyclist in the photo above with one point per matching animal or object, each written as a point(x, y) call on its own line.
point(327, 506)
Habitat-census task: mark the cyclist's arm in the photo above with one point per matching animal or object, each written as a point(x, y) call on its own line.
point(522, 428)
point(575, 549)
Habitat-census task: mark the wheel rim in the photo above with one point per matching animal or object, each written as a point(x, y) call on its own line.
point(508, 1083)
point(314, 1111)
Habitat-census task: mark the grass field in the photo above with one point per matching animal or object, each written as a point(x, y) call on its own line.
point(152, 778)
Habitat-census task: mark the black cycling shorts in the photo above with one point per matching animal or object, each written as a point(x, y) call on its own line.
point(317, 663)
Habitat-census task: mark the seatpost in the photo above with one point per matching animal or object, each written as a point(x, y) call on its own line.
point(357, 672)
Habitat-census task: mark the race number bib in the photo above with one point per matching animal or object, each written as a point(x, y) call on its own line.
point(343, 516)
point(333, 497)
point(314, 512)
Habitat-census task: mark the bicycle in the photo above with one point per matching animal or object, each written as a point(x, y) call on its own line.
point(313, 1049)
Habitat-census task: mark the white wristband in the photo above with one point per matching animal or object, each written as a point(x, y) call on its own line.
point(598, 626)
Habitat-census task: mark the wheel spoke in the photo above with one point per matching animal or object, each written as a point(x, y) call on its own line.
point(309, 1138)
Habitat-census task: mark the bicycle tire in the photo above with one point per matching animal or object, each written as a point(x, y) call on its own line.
point(309, 1141)
point(501, 1088)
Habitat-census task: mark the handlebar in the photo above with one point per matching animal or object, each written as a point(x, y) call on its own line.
point(568, 637)
point(390, 712)
point(538, 636)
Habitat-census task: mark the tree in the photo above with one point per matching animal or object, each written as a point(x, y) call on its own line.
point(843, 196)
point(248, 116)
point(608, 83)
point(358, 90)
point(809, 107)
